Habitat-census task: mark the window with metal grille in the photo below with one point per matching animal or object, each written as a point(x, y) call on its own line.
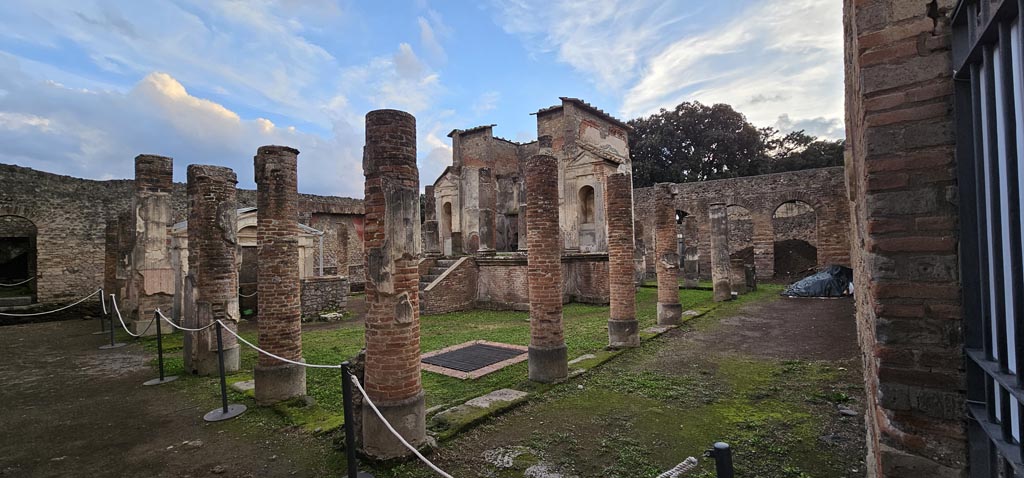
point(989, 93)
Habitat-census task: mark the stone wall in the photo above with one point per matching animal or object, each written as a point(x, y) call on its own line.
point(822, 189)
point(585, 278)
point(501, 283)
point(322, 295)
point(70, 216)
point(456, 290)
point(901, 172)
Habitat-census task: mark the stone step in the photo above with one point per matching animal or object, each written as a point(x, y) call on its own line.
point(428, 278)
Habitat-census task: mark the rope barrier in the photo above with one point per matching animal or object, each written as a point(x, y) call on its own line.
point(186, 329)
point(26, 281)
point(33, 314)
point(264, 352)
point(395, 433)
point(248, 296)
point(686, 466)
point(125, 326)
point(103, 300)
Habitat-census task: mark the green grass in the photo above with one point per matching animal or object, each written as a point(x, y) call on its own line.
point(585, 332)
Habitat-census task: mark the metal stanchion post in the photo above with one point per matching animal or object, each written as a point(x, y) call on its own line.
point(103, 323)
point(112, 344)
point(723, 460)
point(159, 354)
point(226, 411)
point(350, 433)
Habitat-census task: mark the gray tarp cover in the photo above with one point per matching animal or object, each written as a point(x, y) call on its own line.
point(834, 281)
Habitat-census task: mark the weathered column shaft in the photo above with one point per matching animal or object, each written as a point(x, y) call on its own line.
point(622, 324)
point(125, 245)
point(212, 267)
point(691, 253)
point(720, 268)
point(431, 229)
point(548, 359)
point(151, 274)
point(669, 309)
point(487, 195)
point(277, 272)
point(392, 243)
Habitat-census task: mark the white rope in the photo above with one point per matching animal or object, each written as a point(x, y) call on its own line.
point(687, 465)
point(247, 296)
point(83, 299)
point(103, 300)
point(125, 326)
point(186, 329)
point(26, 281)
point(395, 433)
point(264, 352)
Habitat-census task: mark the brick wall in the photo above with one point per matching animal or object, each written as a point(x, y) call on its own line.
point(323, 294)
point(901, 176)
point(824, 189)
point(585, 278)
point(455, 291)
point(70, 215)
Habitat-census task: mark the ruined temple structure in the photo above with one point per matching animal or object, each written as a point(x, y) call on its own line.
point(475, 225)
point(782, 225)
point(74, 235)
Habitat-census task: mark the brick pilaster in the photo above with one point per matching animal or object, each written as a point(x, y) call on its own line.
point(622, 324)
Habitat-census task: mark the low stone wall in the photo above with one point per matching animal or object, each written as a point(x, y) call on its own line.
point(453, 291)
point(502, 283)
point(585, 278)
point(323, 294)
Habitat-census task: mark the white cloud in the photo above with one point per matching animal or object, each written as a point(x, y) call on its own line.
point(487, 101)
point(401, 81)
point(430, 41)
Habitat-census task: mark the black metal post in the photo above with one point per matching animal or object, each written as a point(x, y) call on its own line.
point(350, 428)
point(350, 438)
point(226, 411)
point(159, 354)
point(723, 460)
point(112, 345)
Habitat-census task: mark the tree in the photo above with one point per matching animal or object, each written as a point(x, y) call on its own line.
point(696, 142)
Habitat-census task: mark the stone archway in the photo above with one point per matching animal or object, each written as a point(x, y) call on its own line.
point(18, 259)
point(795, 236)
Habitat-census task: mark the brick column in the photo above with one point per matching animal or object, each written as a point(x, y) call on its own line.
point(212, 267)
point(151, 276)
point(392, 244)
point(277, 275)
point(720, 268)
point(488, 221)
point(669, 309)
point(691, 253)
point(548, 357)
point(431, 230)
point(110, 257)
point(622, 323)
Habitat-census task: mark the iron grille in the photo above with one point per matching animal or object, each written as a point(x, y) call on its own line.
point(989, 95)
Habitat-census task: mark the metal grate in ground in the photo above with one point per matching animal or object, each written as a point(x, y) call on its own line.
point(473, 359)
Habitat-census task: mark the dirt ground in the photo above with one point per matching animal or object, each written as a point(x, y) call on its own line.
point(70, 409)
point(779, 379)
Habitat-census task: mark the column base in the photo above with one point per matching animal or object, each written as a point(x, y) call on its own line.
point(623, 333)
point(206, 364)
point(722, 291)
point(408, 417)
point(669, 314)
point(277, 383)
point(548, 364)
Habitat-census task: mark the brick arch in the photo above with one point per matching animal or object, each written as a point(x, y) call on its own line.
point(27, 213)
point(817, 204)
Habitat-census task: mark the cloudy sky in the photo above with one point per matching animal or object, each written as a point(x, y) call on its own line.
point(87, 85)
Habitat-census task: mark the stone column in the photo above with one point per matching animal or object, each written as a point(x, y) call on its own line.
point(488, 220)
point(431, 230)
point(691, 254)
point(212, 267)
point(548, 357)
point(669, 309)
point(720, 268)
point(392, 244)
point(125, 244)
point(151, 275)
point(738, 276)
point(110, 257)
point(277, 275)
point(521, 228)
point(639, 254)
point(622, 324)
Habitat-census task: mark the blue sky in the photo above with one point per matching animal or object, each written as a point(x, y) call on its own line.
point(87, 85)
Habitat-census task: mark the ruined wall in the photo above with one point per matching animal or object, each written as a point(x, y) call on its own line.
point(501, 283)
point(454, 291)
point(824, 189)
point(585, 278)
point(320, 295)
point(901, 172)
point(70, 215)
